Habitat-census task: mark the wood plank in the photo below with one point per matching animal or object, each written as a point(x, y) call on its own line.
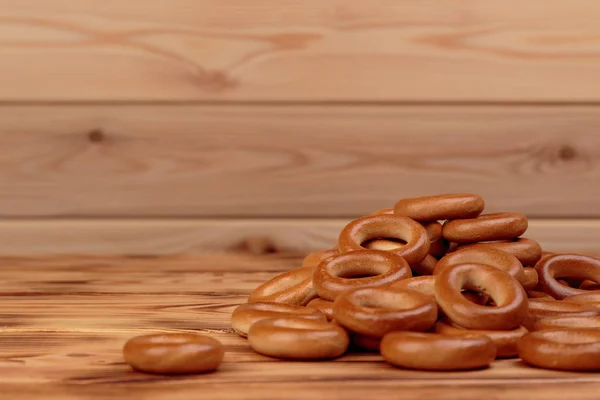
point(309, 161)
point(258, 236)
point(339, 50)
point(56, 331)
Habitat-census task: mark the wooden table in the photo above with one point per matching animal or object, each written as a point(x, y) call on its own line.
point(63, 321)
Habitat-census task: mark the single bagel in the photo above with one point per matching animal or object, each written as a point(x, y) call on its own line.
point(173, 353)
point(577, 323)
point(376, 268)
point(298, 339)
point(544, 308)
point(505, 341)
point(527, 251)
point(387, 226)
point(530, 279)
point(447, 206)
point(246, 314)
point(566, 265)
point(438, 245)
point(565, 350)
point(292, 287)
point(489, 256)
point(435, 352)
point(486, 227)
point(312, 260)
point(508, 295)
point(377, 311)
point(324, 306)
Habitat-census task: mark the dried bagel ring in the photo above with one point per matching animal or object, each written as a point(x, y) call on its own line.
point(377, 268)
point(544, 308)
point(527, 251)
point(173, 353)
point(376, 311)
point(371, 227)
point(292, 287)
point(508, 295)
point(446, 206)
point(565, 350)
point(438, 245)
point(298, 339)
point(246, 314)
point(489, 256)
point(435, 352)
point(567, 322)
point(486, 227)
point(556, 266)
point(505, 341)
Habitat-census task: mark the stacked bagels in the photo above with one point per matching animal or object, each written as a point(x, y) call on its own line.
point(432, 284)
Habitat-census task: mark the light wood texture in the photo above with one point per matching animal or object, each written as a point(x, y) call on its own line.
point(64, 322)
point(259, 236)
point(168, 161)
point(540, 50)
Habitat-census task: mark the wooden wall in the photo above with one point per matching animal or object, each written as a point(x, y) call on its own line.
point(201, 125)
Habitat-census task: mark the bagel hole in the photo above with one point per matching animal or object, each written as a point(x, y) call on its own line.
point(476, 297)
point(485, 299)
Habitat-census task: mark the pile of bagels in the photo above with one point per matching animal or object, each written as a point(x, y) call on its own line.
point(432, 284)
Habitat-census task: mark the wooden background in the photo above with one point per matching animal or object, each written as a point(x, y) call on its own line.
point(203, 125)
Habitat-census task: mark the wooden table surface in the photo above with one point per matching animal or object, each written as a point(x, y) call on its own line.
point(63, 321)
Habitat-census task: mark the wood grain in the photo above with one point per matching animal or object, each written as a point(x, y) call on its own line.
point(256, 236)
point(64, 322)
point(269, 50)
point(309, 161)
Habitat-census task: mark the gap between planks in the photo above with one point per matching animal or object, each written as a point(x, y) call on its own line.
point(257, 236)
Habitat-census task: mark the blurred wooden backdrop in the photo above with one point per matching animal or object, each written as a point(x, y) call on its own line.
point(201, 125)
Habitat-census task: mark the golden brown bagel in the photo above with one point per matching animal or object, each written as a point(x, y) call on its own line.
point(245, 315)
point(565, 350)
point(292, 287)
point(489, 256)
point(173, 353)
point(505, 341)
point(298, 339)
point(379, 310)
point(375, 268)
point(446, 206)
point(556, 266)
point(435, 352)
point(508, 295)
point(527, 251)
point(371, 227)
point(486, 227)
